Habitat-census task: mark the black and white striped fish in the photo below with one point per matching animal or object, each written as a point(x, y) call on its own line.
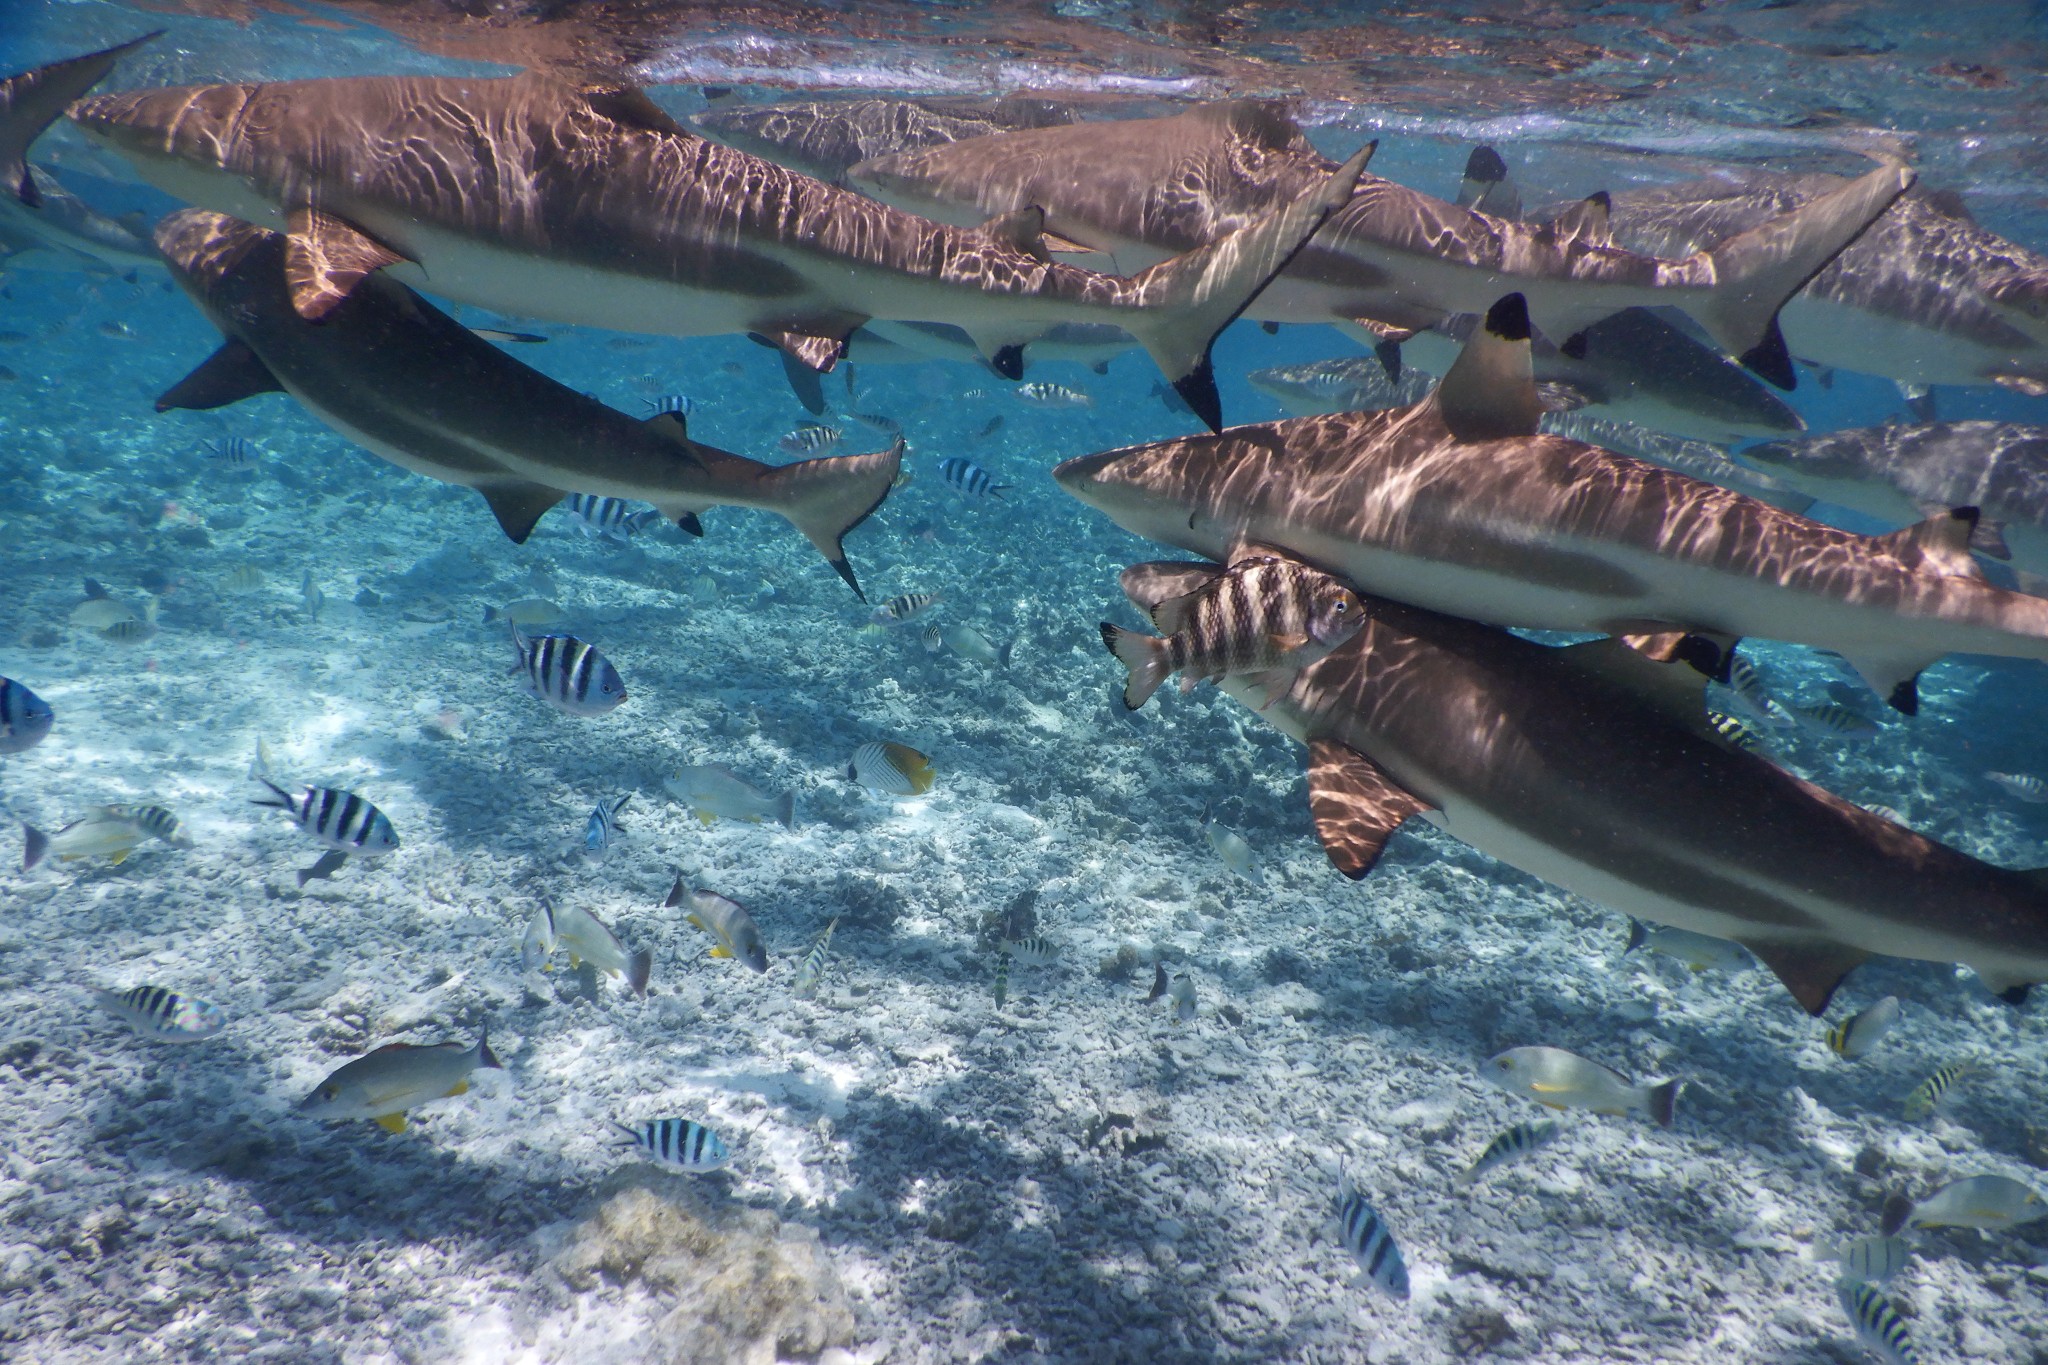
point(1859, 1033)
point(878, 422)
point(597, 830)
point(681, 404)
point(1515, 1143)
point(341, 820)
point(1032, 952)
point(1833, 718)
point(608, 518)
point(970, 479)
point(810, 973)
point(1870, 1260)
point(903, 607)
point(934, 640)
point(567, 673)
point(154, 821)
point(1050, 395)
point(682, 1143)
point(1928, 1095)
point(809, 438)
point(234, 452)
point(166, 1016)
point(25, 718)
point(1367, 1238)
point(2025, 786)
point(1736, 731)
point(1267, 617)
point(1877, 1323)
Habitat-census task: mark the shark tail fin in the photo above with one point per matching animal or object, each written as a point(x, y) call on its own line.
point(1663, 1103)
point(1144, 656)
point(825, 498)
point(1184, 302)
point(1756, 271)
point(35, 99)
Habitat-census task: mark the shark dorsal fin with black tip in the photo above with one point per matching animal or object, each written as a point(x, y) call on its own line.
point(325, 258)
point(229, 375)
point(1811, 971)
point(1490, 392)
point(1942, 543)
point(1586, 221)
point(1355, 805)
point(1486, 187)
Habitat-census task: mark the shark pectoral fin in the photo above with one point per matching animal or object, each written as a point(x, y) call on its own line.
point(1895, 677)
point(390, 1123)
point(1707, 653)
point(229, 375)
point(325, 258)
point(1355, 805)
point(1490, 392)
point(803, 380)
point(517, 506)
point(1164, 590)
point(36, 99)
point(1063, 246)
point(1811, 970)
point(2013, 990)
point(818, 351)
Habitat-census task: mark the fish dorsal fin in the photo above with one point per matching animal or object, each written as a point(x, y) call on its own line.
point(630, 106)
point(229, 375)
point(1249, 551)
point(1811, 970)
point(1163, 590)
point(1675, 690)
point(1586, 221)
point(517, 506)
point(1355, 805)
point(1020, 230)
point(1942, 543)
point(325, 258)
point(1490, 392)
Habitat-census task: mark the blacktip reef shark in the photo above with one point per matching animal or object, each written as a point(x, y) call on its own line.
point(1457, 505)
point(40, 219)
point(1901, 472)
point(1593, 768)
point(528, 196)
point(1926, 296)
point(396, 375)
point(1390, 261)
point(824, 138)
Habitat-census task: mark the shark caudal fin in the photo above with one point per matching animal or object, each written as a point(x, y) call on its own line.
point(1756, 271)
point(1186, 301)
point(34, 100)
point(825, 498)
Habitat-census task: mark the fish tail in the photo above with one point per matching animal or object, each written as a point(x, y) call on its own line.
point(639, 968)
point(1143, 655)
point(1897, 1209)
point(1179, 305)
point(491, 614)
point(632, 1138)
point(785, 810)
point(35, 847)
point(1662, 1103)
point(1756, 271)
point(825, 498)
point(279, 797)
point(1638, 934)
point(484, 1055)
point(676, 893)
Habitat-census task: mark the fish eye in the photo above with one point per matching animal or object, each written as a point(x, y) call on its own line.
point(330, 1092)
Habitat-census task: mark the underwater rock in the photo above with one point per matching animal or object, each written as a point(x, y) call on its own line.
point(745, 1286)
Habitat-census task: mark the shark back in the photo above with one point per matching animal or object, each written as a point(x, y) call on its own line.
point(825, 138)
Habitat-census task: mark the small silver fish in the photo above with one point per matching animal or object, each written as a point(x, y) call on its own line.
point(683, 1143)
point(526, 611)
point(1861, 1032)
point(395, 1078)
point(102, 832)
point(1700, 952)
point(2025, 786)
point(970, 643)
point(713, 792)
point(1559, 1079)
point(810, 973)
point(1366, 1237)
point(586, 938)
point(166, 1016)
point(1231, 848)
point(1990, 1202)
point(538, 944)
point(1158, 982)
point(1515, 1143)
point(725, 920)
point(1050, 395)
point(1877, 1323)
point(311, 599)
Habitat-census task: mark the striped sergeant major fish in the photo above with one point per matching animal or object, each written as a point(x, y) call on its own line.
point(166, 1016)
point(1858, 1034)
point(682, 1143)
point(25, 718)
point(970, 479)
point(1366, 1237)
point(154, 821)
point(904, 607)
point(1877, 1323)
point(567, 673)
point(1516, 1143)
point(342, 821)
point(1928, 1095)
point(1263, 616)
point(810, 973)
point(235, 452)
point(597, 830)
point(1049, 395)
point(2025, 786)
point(1868, 1260)
point(608, 518)
point(808, 438)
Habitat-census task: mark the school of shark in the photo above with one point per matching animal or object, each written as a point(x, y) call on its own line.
point(1619, 603)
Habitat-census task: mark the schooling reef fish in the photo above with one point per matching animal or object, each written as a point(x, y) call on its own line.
point(1457, 506)
point(725, 920)
point(395, 1078)
point(25, 718)
point(1564, 1080)
point(717, 793)
point(393, 373)
point(528, 195)
point(166, 1016)
point(1558, 761)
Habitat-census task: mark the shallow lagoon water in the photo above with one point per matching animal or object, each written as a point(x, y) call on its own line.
point(917, 1174)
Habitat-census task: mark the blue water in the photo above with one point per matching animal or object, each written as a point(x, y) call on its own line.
point(918, 1174)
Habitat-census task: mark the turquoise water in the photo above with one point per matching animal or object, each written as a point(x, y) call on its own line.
point(919, 1172)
